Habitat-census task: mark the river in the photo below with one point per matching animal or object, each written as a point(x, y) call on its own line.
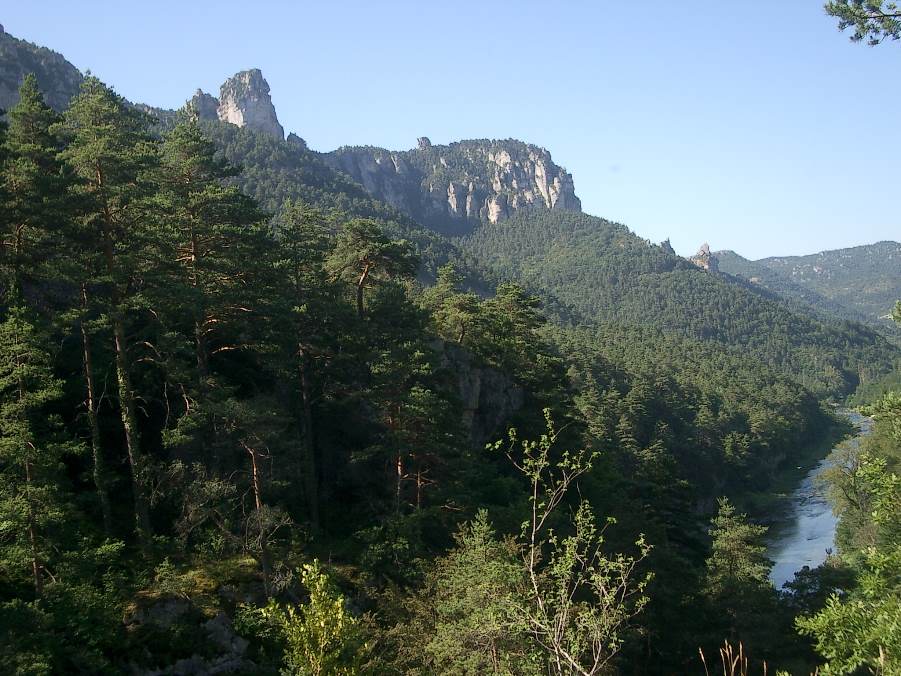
point(806, 533)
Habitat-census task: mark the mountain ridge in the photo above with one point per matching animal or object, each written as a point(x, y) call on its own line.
point(859, 283)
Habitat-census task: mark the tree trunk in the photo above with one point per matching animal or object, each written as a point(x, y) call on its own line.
point(37, 567)
point(203, 368)
point(399, 479)
point(127, 404)
point(360, 284)
point(258, 502)
point(128, 410)
point(99, 465)
point(310, 470)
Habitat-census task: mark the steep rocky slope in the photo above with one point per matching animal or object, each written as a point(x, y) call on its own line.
point(59, 79)
point(453, 188)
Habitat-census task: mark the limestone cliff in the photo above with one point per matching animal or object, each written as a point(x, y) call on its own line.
point(58, 79)
point(244, 101)
point(452, 188)
point(205, 106)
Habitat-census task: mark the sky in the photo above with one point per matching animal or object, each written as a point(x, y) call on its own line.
point(753, 125)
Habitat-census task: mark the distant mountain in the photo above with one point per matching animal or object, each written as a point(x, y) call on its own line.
point(613, 277)
point(454, 188)
point(860, 283)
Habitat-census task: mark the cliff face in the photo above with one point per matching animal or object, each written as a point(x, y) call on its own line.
point(243, 101)
point(488, 396)
point(58, 79)
point(455, 187)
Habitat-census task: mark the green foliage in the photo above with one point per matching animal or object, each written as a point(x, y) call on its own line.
point(872, 20)
point(737, 583)
point(577, 601)
point(364, 255)
point(32, 504)
point(863, 630)
point(855, 284)
point(610, 277)
point(321, 636)
point(859, 627)
point(471, 622)
point(258, 390)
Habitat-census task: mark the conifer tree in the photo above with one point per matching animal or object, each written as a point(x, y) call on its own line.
point(36, 243)
point(363, 254)
point(31, 503)
point(312, 313)
point(112, 157)
point(455, 313)
point(215, 249)
point(34, 188)
point(737, 581)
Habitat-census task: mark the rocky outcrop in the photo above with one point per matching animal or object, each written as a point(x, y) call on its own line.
point(204, 105)
point(58, 79)
point(452, 188)
point(488, 396)
point(706, 260)
point(244, 101)
point(224, 650)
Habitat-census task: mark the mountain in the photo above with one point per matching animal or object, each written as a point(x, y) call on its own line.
point(517, 217)
point(59, 79)
point(859, 283)
point(271, 391)
point(454, 188)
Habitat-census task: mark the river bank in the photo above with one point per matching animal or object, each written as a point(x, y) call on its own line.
point(769, 507)
point(802, 525)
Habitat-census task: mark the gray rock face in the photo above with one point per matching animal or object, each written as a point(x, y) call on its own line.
point(489, 397)
point(230, 648)
point(204, 105)
point(58, 79)
point(244, 101)
point(453, 188)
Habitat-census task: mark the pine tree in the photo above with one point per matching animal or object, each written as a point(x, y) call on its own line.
point(34, 187)
point(455, 313)
point(312, 314)
point(210, 292)
point(737, 582)
point(112, 158)
point(30, 450)
point(470, 610)
point(363, 254)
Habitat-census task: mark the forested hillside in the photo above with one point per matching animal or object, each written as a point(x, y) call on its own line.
point(613, 277)
point(202, 400)
point(860, 283)
point(253, 419)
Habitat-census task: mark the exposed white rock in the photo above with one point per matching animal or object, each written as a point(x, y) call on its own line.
point(452, 188)
point(244, 101)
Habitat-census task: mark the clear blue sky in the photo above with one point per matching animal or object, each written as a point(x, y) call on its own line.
point(753, 125)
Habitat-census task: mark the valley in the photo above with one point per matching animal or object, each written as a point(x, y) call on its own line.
point(268, 409)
